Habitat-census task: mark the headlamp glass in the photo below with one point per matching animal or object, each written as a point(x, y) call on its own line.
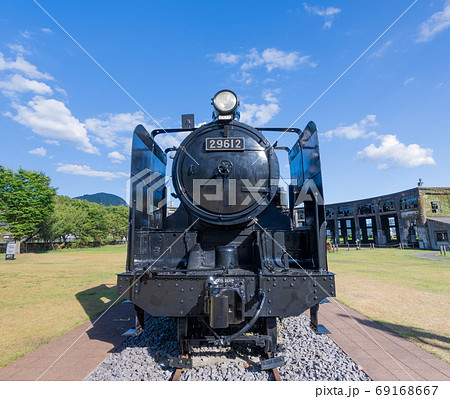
point(225, 101)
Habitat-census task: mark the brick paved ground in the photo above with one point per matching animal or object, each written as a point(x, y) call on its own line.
point(397, 359)
point(96, 343)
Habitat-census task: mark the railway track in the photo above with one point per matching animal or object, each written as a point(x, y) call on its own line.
point(176, 376)
point(307, 356)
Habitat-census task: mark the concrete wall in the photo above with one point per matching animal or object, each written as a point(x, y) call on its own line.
point(433, 227)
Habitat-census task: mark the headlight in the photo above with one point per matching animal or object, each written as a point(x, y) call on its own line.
point(225, 102)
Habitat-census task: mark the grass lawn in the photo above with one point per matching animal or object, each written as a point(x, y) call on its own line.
point(409, 295)
point(44, 295)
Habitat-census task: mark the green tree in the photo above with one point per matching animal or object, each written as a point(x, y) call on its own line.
point(26, 201)
point(65, 220)
point(117, 219)
point(87, 221)
point(95, 226)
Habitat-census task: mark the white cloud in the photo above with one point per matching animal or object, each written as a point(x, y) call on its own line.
point(254, 114)
point(170, 139)
point(438, 22)
point(408, 81)
point(21, 65)
point(116, 157)
point(227, 58)
point(354, 131)
point(18, 84)
point(108, 130)
point(53, 142)
point(399, 154)
point(268, 80)
point(126, 143)
point(40, 151)
point(273, 58)
point(380, 52)
point(327, 13)
point(253, 59)
point(61, 91)
point(269, 95)
point(321, 11)
point(46, 117)
point(270, 58)
point(46, 30)
point(107, 127)
point(243, 77)
point(50, 118)
point(18, 48)
point(26, 34)
point(85, 170)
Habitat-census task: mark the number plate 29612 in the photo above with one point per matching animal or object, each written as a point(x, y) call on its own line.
point(225, 144)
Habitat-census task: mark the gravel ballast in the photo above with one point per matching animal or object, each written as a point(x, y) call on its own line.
point(308, 357)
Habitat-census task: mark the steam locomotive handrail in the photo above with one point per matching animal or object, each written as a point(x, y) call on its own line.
point(159, 131)
point(280, 129)
point(261, 129)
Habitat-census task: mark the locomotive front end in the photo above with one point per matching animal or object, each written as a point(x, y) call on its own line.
point(230, 259)
point(225, 173)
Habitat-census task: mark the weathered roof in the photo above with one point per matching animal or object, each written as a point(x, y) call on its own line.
point(440, 219)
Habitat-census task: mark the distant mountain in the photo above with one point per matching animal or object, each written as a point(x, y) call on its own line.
point(103, 199)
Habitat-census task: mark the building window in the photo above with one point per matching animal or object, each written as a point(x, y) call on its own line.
point(369, 222)
point(387, 206)
point(391, 221)
point(365, 209)
point(348, 223)
point(345, 211)
point(435, 208)
point(329, 212)
point(409, 202)
point(441, 236)
point(393, 233)
point(370, 234)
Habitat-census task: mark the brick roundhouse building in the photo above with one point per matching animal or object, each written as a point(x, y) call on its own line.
point(419, 217)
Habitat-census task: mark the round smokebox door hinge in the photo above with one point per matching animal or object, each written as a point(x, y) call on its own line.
point(224, 167)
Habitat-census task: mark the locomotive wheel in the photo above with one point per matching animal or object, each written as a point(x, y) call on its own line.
point(270, 329)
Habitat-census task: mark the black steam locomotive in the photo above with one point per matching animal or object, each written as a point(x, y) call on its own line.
point(233, 257)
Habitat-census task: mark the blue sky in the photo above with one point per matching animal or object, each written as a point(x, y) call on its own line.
point(383, 125)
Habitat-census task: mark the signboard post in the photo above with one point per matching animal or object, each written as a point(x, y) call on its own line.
point(10, 250)
point(187, 121)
